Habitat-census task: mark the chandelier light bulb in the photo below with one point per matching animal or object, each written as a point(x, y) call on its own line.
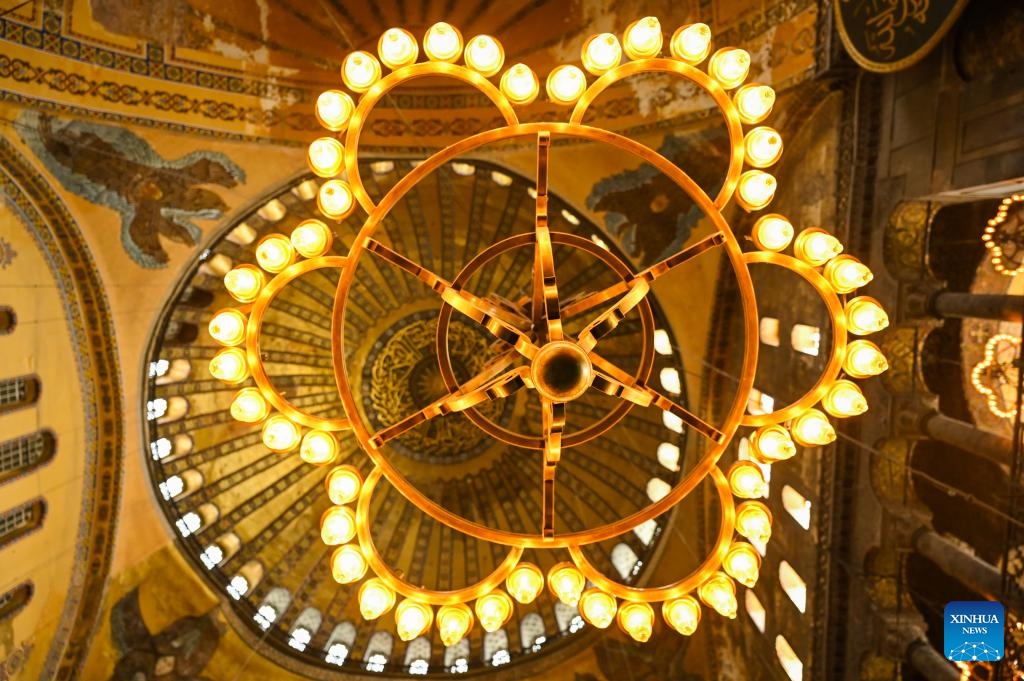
point(413, 619)
point(493, 610)
point(397, 48)
point(812, 429)
point(773, 443)
point(730, 66)
point(375, 598)
point(642, 39)
point(338, 526)
point(229, 366)
point(443, 42)
point(691, 43)
point(244, 283)
point(682, 614)
point(865, 315)
point(336, 200)
point(746, 480)
point(864, 359)
point(566, 583)
point(598, 608)
point(637, 620)
point(762, 146)
point(348, 564)
point(756, 190)
point(601, 53)
point(846, 274)
point(754, 102)
point(719, 592)
point(816, 246)
point(249, 406)
point(519, 83)
point(754, 521)
point(228, 327)
point(275, 252)
point(743, 563)
point(844, 399)
point(566, 84)
point(453, 623)
point(772, 232)
point(334, 109)
point(280, 434)
point(318, 447)
point(343, 484)
point(485, 55)
point(325, 156)
point(360, 71)
point(525, 582)
point(311, 238)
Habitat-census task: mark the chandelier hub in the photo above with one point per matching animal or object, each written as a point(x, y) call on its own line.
point(561, 371)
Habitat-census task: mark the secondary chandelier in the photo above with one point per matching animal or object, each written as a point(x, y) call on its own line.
point(538, 353)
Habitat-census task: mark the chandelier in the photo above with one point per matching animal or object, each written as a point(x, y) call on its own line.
point(537, 352)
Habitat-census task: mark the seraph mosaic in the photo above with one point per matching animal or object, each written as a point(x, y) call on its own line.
point(644, 209)
point(113, 167)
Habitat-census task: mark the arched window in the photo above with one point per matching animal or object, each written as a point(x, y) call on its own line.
point(378, 651)
point(340, 643)
point(166, 447)
point(565, 615)
point(417, 655)
point(8, 320)
point(164, 411)
point(756, 610)
point(272, 211)
point(668, 456)
point(791, 664)
point(18, 522)
point(532, 634)
point(169, 371)
point(625, 561)
point(274, 604)
point(243, 234)
point(662, 343)
point(456, 657)
point(17, 393)
point(216, 553)
point(22, 454)
point(670, 380)
point(646, 531)
point(798, 506)
point(304, 628)
point(496, 648)
point(12, 602)
point(806, 339)
point(769, 329)
point(657, 488)
point(194, 521)
point(245, 579)
point(760, 403)
point(793, 585)
point(672, 422)
point(181, 485)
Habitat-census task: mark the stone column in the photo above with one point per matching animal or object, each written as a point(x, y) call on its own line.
point(969, 438)
point(968, 569)
point(930, 662)
point(1005, 308)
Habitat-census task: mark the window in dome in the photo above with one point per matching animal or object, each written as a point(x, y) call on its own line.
point(417, 655)
point(755, 610)
point(304, 628)
point(670, 381)
point(793, 585)
point(172, 487)
point(806, 339)
point(662, 343)
point(272, 211)
point(760, 403)
point(21, 455)
point(532, 632)
point(792, 665)
point(668, 456)
point(156, 408)
point(456, 657)
point(797, 506)
point(657, 489)
point(769, 329)
point(17, 522)
point(564, 615)
point(245, 579)
point(193, 521)
point(160, 449)
point(672, 422)
point(625, 560)
point(165, 411)
point(276, 602)
point(646, 531)
point(496, 648)
point(378, 651)
point(12, 602)
point(340, 643)
point(17, 393)
point(170, 372)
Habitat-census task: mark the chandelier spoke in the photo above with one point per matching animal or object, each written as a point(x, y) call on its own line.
point(546, 317)
point(553, 421)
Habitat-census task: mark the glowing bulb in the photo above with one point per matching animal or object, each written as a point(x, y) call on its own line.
point(228, 327)
point(335, 199)
point(280, 434)
point(812, 429)
point(412, 619)
point(525, 582)
point(743, 563)
point(343, 484)
point(375, 598)
point(249, 406)
point(311, 238)
point(397, 48)
point(816, 246)
point(719, 592)
point(337, 525)
point(772, 443)
point(864, 359)
point(454, 622)
point(756, 189)
point(333, 109)
point(691, 43)
point(229, 366)
point(754, 521)
point(601, 53)
point(865, 315)
point(325, 156)
point(318, 447)
point(772, 232)
point(485, 54)
point(360, 71)
point(244, 283)
point(275, 252)
point(763, 147)
point(520, 84)
point(443, 42)
point(348, 564)
point(493, 610)
point(637, 620)
point(682, 614)
point(847, 274)
point(565, 84)
point(729, 67)
point(746, 480)
point(566, 582)
point(844, 399)
point(642, 39)
point(754, 102)
point(598, 608)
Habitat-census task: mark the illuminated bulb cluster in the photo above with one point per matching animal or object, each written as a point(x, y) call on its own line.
point(991, 360)
point(990, 237)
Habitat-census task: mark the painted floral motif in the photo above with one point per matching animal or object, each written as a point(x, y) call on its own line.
point(7, 253)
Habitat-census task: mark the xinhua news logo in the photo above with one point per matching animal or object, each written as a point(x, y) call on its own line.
point(973, 631)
